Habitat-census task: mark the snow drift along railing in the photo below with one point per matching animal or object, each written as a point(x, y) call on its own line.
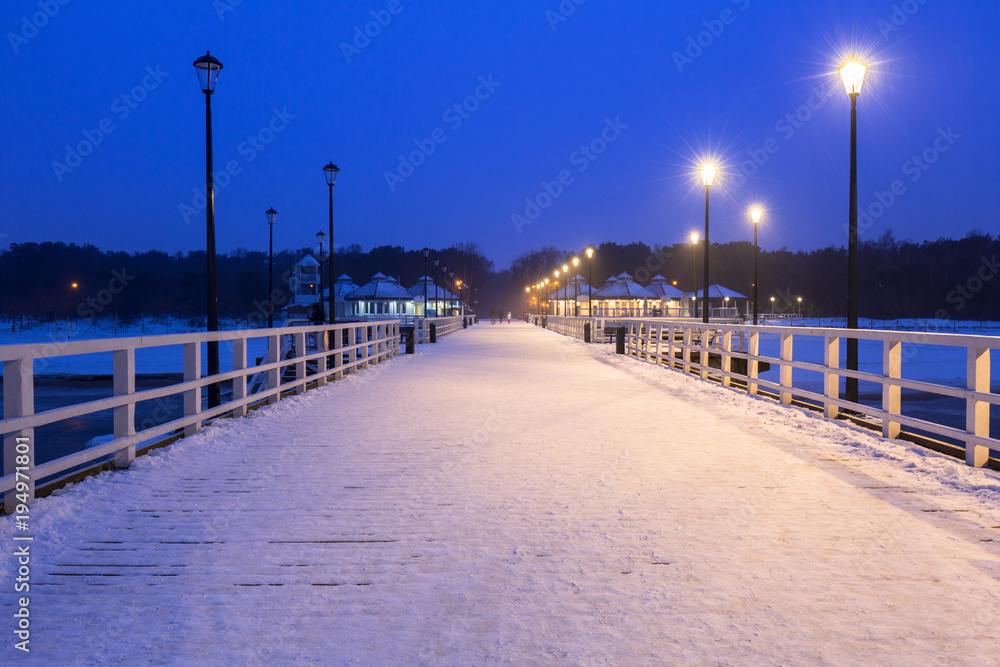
point(350, 347)
point(693, 346)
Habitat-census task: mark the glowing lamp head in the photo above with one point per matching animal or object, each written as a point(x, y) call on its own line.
point(576, 261)
point(853, 75)
point(74, 285)
point(694, 238)
point(707, 174)
point(565, 268)
point(557, 273)
point(590, 253)
point(755, 214)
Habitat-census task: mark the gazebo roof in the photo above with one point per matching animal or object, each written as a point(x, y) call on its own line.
point(379, 288)
point(623, 287)
point(661, 287)
point(717, 292)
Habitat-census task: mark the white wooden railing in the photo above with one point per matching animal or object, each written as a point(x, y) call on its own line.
point(442, 326)
point(351, 347)
point(691, 346)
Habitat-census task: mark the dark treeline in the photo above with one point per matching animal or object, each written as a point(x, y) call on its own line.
point(946, 278)
point(36, 279)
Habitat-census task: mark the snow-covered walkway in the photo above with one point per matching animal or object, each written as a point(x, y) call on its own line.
point(512, 496)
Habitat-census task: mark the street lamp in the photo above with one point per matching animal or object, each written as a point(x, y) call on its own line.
point(694, 264)
point(799, 299)
point(320, 237)
point(451, 280)
point(555, 302)
point(271, 214)
point(566, 291)
point(437, 304)
point(772, 306)
point(853, 75)
point(208, 68)
point(755, 215)
point(331, 171)
point(707, 175)
point(590, 280)
point(576, 288)
point(546, 296)
point(427, 253)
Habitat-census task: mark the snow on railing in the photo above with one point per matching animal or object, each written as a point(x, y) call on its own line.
point(350, 347)
point(692, 347)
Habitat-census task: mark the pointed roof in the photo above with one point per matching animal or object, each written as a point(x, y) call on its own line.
point(418, 289)
point(661, 287)
point(379, 288)
point(308, 260)
point(717, 292)
point(623, 287)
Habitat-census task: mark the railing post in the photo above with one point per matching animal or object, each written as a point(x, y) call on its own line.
point(786, 369)
point(338, 352)
point(703, 352)
point(19, 446)
point(123, 362)
point(274, 375)
point(192, 397)
point(977, 412)
point(352, 354)
point(299, 343)
point(727, 358)
point(831, 378)
point(670, 346)
point(687, 349)
point(753, 366)
point(892, 362)
point(658, 358)
point(240, 382)
point(322, 345)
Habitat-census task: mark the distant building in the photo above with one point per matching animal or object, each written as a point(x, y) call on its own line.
point(380, 298)
point(623, 297)
point(672, 300)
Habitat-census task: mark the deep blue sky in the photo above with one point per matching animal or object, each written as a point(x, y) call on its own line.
point(935, 71)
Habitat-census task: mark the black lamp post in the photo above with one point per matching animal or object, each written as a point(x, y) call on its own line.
point(271, 214)
point(320, 237)
point(437, 304)
point(590, 281)
point(566, 291)
point(451, 281)
point(427, 253)
point(707, 174)
point(755, 216)
point(208, 68)
point(694, 264)
point(853, 74)
point(576, 288)
point(330, 171)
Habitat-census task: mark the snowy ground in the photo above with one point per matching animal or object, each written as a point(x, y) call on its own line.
point(513, 496)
